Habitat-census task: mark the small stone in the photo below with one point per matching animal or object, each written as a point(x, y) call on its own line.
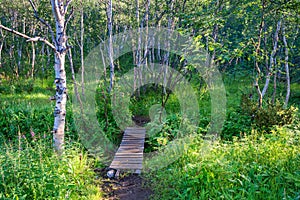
point(111, 173)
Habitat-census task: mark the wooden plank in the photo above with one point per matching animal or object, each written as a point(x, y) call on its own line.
point(130, 153)
point(127, 166)
point(129, 156)
point(125, 162)
point(133, 137)
point(124, 149)
point(128, 160)
point(133, 140)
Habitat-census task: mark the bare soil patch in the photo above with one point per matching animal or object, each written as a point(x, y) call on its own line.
point(125, 187)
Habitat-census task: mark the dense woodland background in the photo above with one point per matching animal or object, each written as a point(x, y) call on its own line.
point(254, 44)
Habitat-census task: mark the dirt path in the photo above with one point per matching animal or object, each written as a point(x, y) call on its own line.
point(126, 187)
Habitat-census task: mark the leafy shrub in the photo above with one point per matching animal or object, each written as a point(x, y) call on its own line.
point(161, 133)
point(24, 86)
point(236, 124)
point(6, 89)
point(248, 116)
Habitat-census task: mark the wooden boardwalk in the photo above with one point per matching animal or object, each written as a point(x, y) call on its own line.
point(130, 153)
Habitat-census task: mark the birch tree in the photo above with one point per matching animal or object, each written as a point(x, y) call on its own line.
point(286, 66)
point(60, 48)
point(59, 9)
point(110, 43)
point(257, 52)
point(270, 68)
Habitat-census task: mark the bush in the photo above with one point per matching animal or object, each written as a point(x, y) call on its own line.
point(24, 86)
point(248, 117)
point(236, 125)
point(161, 133)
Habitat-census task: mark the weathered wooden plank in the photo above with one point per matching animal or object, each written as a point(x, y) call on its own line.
point(127, 166)
point(124, 149)
point(131, 160)
point(133, 137)
point(130, 153)
point(128, 160)
point(125, 162)
point(132, 140)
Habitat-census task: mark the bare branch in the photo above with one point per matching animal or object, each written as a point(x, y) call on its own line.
point(29, 39)
point(14, 32)
point(42, 20)
point(36, 39)
point(69, 18)
point(67, 5)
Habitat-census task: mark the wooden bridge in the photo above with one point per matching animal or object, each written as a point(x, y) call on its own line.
point(130, 153)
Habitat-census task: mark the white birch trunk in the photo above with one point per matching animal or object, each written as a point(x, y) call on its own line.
point(287, 71)
point(59, 11)
point(82, 48)
point(1, 45)
point(269, 73)
point(110, 45)
point(139, 52)
point(167, 46)
point(33, 59)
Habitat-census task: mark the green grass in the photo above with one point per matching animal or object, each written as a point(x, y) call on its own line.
point(31, 170)
point(256, 167)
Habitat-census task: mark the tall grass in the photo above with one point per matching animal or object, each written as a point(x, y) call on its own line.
point(255, 167)
point(31, 170)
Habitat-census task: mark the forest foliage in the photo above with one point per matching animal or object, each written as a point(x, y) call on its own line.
point(253, 43)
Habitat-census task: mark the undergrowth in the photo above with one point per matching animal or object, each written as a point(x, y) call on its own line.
point(31, 170)
point(254, 167)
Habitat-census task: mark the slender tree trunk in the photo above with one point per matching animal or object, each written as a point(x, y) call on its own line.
point(158, 46)
point(144, 60)
point(48, 56)
point(59, 10)
point(215, 32)
point(1, 48)
point(270, 68)
point(139, 51)
point(167, 46)
point(32, 59)
point(103, 62)
point(257, 52)
point(82, 47)
point(110, 45)
point(74, 80)
point(18, 69)
point(287, 71)
point(274, 86)
point(1, 45)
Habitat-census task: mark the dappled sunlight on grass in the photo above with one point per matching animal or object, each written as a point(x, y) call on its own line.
point(36, 98)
